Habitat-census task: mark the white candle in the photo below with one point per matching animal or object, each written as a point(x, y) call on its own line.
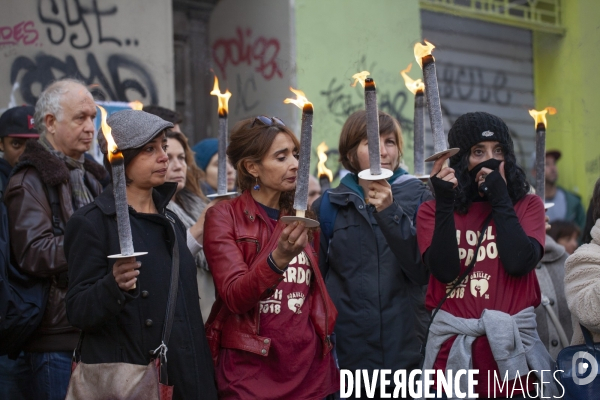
point(419, 134)
point(222, 167)
point(117, 164)
point(433, 103)
point(372, 127)
point(301, 196)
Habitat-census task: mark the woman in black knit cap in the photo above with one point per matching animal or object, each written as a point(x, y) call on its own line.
point(487, 321)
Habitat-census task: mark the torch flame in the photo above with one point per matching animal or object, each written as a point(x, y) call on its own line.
point(113, 150)
point(411, 84)
point(300, 101)
point(360, 77)
point(223, 98)
point(422, 51)
point(136, 105)
point(540, 116)
point(321, 168)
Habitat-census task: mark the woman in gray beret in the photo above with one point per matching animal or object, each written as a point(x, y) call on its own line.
point(120, 305)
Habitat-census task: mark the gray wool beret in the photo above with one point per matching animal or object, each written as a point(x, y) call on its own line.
point(131, 129)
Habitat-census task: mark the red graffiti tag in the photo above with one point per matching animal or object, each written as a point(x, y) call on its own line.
point(261, 52)
point(23, 32)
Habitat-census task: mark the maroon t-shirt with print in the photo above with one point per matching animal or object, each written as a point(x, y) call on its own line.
point(488, 286)
point(295, 367)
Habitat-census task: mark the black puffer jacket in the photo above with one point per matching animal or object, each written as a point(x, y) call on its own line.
point(123, 326)
point(375, 276)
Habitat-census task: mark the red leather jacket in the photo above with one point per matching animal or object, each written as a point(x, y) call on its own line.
point(237, 244)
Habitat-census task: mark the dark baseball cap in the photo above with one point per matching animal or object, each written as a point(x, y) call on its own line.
point(554, 153)
point(18, 122)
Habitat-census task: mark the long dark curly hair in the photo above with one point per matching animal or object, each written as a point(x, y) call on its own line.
point(516, 180)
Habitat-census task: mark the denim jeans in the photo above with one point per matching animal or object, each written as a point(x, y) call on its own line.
point(46, 375)
point(9, 373)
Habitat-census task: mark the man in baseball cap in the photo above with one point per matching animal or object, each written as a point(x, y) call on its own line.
point(16, 127)
point(567, 205)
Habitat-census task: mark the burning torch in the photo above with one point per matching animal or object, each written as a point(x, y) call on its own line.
point(375, 172)
point(427, 63)
point(301, 196)
point(540, 148)
point(417, 88)
point(117, 164)
point(223, 133)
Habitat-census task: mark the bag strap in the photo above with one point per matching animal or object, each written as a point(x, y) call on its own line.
point(564, 341)
point(55, 209)
point(327, 214)
point(588, 338)
point(62, 279)
point(171, 305)
point(458, 281)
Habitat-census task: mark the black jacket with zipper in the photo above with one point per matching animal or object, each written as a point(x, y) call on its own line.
point(122, 326)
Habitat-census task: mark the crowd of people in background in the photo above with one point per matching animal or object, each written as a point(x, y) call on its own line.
point(396, 277)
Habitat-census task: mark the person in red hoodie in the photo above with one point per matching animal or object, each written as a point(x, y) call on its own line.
point(269, 329)
point(487, 322)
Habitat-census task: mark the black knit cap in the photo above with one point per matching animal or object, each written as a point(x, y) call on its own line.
point(476, 127)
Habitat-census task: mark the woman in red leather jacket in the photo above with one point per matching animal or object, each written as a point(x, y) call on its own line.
point(269, 330)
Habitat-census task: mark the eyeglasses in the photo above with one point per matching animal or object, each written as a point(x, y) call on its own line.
point(268, 121)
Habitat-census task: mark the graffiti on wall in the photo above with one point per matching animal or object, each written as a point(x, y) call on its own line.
point(69, 20)
point(23, 32)
point(254, 59)
point(258, 52)
point(43, 68)
point(78, 39)
point(467, 82)
point(342, 100)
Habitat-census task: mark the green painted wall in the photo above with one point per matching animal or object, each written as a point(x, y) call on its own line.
point(337, 38)
point(566, 77)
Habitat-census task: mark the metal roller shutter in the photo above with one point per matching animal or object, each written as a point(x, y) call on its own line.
point(482, 66)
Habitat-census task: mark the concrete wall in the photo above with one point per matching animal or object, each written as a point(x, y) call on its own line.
point(253, 55)
point(337, 38)
point(123, 48)
point(566, 77)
